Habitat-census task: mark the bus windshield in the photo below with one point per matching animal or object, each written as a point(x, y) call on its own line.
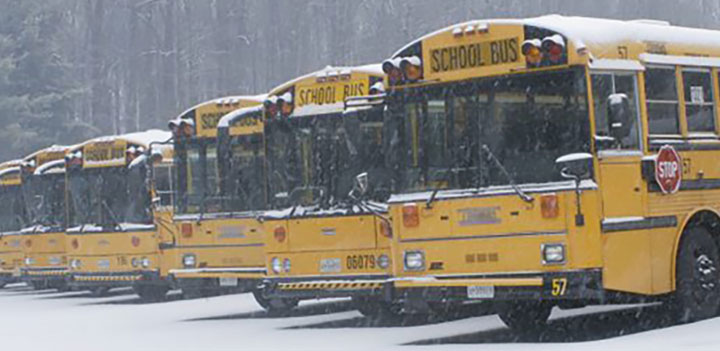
point(198, 186)
point(109, 196)
point(244, 175)
point(526, 121)
point(12, 215)
point(45, 199)
point(315, 159)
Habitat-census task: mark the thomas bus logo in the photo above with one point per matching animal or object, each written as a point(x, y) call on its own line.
point(668, 169)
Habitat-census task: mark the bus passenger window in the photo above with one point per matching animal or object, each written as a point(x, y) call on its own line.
point(603, 86)
point(699, 105)
point(662, 100)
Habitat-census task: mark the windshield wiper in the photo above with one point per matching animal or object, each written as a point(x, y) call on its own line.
point(448, 171)
point(113, 217)
point(525, 197)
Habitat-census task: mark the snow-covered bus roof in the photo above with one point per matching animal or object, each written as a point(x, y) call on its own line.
point(602, 37)
point(144, 138)
point(374, 68)
point(229, 100)
point(227, 119)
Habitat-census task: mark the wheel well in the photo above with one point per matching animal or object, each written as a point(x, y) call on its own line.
point(707, 218)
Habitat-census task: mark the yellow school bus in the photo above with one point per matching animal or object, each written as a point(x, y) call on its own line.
point(320, 241)
point(557, 161)
point(43, 240)
point(216, 249)
point(112, 240)
point(12, 219)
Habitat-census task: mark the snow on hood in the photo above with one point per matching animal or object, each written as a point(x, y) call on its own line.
point(9, 170)
point(92, 228)
point(313, 211)
point(39, 228)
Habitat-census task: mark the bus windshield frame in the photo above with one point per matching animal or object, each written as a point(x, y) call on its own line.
point(198, 187)
point(12, 211)
point(313, 160)
point(526, 120)
point(44, 197)
point(109, 196)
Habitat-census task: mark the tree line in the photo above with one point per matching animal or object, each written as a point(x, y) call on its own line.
point(75, 69)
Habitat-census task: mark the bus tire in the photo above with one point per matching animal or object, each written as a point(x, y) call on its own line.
point(524, 316)
point(378, 310)
point(151, 293)
point(99, 291)
point(697, 294)
point(274, 305)
point(39, 285)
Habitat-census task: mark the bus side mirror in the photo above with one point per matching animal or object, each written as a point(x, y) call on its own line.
point(576, 166)
point(619, 119)
point(361, 183)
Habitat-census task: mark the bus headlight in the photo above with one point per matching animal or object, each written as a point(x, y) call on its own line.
point(414, 260)
point(135, 262)
point(75, 264)
point(553, 253)
point(145, 262)
point(189, 260)
point(29, 261)
point(383, 261)
point(276, 264)
point(286, 265)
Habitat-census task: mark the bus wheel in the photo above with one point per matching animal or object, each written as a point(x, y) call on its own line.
point(99, 291)
point(697, 294)
point(39, 285)
point(151, 293)
point(274, 305)
point(524, 316)
point(61, 286)
point(378, 310)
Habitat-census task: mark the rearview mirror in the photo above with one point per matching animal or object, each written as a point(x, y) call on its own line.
point(575, 166)
point(618, 109)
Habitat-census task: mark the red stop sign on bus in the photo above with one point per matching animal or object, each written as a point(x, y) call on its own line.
point(668, 169)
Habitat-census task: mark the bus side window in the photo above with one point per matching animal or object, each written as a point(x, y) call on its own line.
point(605, 87)
point(699, 105)
point(662, 100)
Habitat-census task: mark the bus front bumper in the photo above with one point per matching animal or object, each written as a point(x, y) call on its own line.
point(81, 280)
point(221, 279)
point(9, 276)
point(578, 285)
point(327, 287)
point(30, 274)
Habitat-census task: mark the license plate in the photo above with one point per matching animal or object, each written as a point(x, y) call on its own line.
point(330, 265)
point(228, 281)
point(103, 264)
point(481, 292)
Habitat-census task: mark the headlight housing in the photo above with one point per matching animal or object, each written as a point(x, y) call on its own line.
point(75, 264)
point(553, 253)
point(145, 262)
point(189, 260)
point(414, 260)
point(29, 261)
point(276, 264)
point(286, 265)
point(383, 261)
point(135, 262)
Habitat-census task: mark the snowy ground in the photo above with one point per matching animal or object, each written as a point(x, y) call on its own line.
point(45, 320)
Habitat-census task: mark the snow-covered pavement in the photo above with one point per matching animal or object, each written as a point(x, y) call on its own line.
point(45, 320)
